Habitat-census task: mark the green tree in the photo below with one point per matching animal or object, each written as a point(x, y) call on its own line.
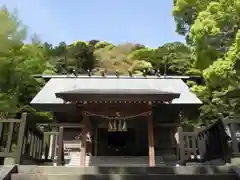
point(93, 42)
point(212, 31)
point(18, 62)
point(101, 44)
point(171, 58)
point(83, 53)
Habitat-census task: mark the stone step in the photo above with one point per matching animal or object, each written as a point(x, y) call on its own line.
point(121, 177)
point(93, 170)
point(123, 161)
point(118, 161)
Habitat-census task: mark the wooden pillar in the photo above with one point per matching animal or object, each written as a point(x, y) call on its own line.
point(181, 144)
point(83, 142)
point(60, 153)
point(53, 143)
point(96, 141)
point(151, 151)
point(53, 139)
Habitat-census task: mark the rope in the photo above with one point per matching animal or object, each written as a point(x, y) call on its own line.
point(117, 117)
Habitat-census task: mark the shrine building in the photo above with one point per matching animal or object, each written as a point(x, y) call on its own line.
point(117, 119)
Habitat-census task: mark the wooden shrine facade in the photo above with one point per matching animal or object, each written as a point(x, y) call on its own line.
point(113, 109)
point(117, 107)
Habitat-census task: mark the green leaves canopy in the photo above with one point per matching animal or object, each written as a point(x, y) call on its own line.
point(17, 64)
point(212, 31)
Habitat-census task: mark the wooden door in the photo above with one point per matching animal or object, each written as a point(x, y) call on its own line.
point(116, 143)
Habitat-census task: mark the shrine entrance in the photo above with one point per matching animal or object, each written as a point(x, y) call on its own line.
point(117, 143)
point(121, 135)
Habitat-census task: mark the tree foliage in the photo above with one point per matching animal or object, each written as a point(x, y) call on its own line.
point(212, 31)
point(18, 61)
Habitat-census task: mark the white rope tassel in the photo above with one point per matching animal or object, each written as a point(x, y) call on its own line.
point(124, 127)
point(88, 137)
point(117, 123)
point(114, 125)
point(120, 125)
point(110, 127)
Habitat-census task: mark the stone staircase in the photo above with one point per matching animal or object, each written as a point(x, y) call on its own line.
point(124, 173)
point(116, 161)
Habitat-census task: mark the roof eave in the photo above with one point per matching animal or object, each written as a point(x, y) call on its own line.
point(117, 97)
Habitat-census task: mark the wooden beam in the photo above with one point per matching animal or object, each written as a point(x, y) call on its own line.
point(167, 125)
point(64, 125)
point(151, 142)
point(11, 120)
point(111, 109)
point(51, 133)
point(114, 112)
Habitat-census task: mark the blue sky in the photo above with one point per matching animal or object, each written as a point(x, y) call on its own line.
point(139, 21)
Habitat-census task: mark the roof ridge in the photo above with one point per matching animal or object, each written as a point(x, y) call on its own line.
point(84, 76)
